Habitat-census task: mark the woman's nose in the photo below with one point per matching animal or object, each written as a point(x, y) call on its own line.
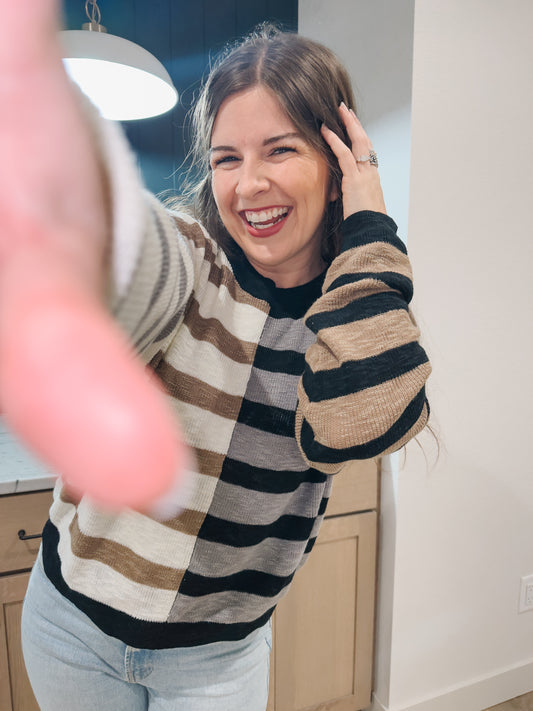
point(252, 179)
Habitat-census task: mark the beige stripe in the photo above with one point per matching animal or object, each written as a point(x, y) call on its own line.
point(81, 574)
point(359, 418)
point(139, 534)
point(413, 432)
point(374, 257)
point(212, 331)
point(123, 560)
point(209, 463)
point(201, 360)
point(363, 339)
point(220, 275)
point(193, 391)
point(223, 277)
point(192, 230)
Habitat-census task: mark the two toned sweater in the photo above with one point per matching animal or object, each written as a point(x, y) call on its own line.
point(275, 390)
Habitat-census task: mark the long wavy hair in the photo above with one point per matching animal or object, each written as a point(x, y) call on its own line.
point(308, 80)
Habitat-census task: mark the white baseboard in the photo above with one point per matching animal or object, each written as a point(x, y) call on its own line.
point(475, 696)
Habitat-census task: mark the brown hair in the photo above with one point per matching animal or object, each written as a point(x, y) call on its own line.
point(309, 82)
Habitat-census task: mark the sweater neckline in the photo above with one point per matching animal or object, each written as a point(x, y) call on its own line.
point(291, 301)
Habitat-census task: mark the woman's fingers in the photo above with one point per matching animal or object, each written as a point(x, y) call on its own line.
point(361, 145)
point(28, 25)
point(361, 186)
point(72, 389)
point(69, 385)
point(343, 154)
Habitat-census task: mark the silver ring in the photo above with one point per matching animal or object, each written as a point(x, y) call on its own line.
point(371, 158)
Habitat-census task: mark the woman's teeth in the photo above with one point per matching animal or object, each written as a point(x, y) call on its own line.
point(265, 218)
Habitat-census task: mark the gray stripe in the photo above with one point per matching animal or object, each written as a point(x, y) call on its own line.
point(281, 335)
point(232, 503)
point(226, 607)
point(275, 451)
point(273, 556)
point(277, 389)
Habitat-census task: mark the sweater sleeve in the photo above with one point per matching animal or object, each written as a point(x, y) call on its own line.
point(150, 273)
point(362, 393)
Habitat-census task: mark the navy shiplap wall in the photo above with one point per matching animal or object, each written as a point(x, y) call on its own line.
point(183, 35)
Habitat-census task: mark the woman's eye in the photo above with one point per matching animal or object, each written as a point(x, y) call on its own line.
point(222, 159)
point(280, 150)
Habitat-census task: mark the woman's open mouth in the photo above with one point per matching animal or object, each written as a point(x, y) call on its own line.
point(264, 223)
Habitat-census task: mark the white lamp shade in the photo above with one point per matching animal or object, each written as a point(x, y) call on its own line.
point(121, 78)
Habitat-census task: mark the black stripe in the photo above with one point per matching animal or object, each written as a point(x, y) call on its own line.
point(317, 452)
point(357, 310)
point(310, 544)
point(395, 281)
point(288, 362)
point(133, 631)
point(355, 376)
point(254, 582)
point(242, 535)
point(267, 480)
point(267, 418)
point(366, 227)
point(323, 506)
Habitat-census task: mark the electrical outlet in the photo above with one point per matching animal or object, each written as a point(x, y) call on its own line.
point(526, 594)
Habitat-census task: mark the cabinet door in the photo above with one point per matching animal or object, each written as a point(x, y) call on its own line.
point(324, 627)
point(29, 513)
point(15, 689)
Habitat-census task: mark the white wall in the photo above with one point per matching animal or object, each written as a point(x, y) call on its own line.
point(380, 64)
point(450, 637)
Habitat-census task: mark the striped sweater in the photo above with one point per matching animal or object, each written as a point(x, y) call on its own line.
point(275, 389)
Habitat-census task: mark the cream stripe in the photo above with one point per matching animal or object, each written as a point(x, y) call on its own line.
point(204, 429)
point(204, 361)
point(99, 582)
point(242, 320)
point(147, 538)
point(102, 583)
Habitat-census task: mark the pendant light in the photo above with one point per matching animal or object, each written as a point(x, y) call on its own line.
point(121, 78)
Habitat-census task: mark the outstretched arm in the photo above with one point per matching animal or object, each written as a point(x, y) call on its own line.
point(69, 384)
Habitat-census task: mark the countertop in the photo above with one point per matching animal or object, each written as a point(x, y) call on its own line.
point(20, 471)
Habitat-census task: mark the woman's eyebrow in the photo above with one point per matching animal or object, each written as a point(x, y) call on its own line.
point(281, 137)
point(266, 142)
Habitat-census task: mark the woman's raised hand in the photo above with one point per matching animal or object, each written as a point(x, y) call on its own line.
point(361, 186)
point(69, 385)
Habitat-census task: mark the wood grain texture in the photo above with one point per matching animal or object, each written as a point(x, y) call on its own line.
point(520, 703)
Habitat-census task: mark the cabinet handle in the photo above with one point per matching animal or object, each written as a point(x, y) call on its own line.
point(23, 537)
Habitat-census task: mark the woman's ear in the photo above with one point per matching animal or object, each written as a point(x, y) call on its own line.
point(333, 192)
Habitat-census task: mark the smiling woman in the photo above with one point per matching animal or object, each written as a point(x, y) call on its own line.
point(271, 187)
point(279, 331)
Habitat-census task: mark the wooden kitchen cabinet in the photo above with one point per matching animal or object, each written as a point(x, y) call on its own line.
point(26, 512)
point(323, 630)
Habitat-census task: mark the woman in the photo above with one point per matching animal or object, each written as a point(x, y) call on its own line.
point(280, 330)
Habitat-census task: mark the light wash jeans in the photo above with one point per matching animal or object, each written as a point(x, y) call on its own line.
point(73, 665)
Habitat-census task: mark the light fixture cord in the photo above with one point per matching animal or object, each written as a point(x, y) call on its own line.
point(94, 15)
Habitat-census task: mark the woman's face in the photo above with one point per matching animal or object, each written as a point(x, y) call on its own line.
point(270, 186)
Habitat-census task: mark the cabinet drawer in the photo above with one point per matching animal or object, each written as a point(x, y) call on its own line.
point(355, 488)
point(21, 511)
